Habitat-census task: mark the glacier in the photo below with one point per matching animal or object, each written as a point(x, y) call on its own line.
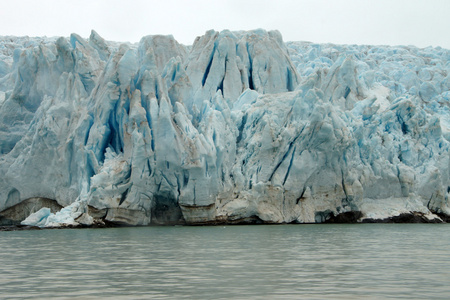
point(239, 127)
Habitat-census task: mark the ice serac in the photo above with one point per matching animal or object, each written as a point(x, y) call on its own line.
point(237, 128)
point(233, 62)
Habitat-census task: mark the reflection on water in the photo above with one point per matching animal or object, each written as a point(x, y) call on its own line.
point(351, 261)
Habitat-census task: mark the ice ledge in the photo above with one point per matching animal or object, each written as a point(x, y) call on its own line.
point(400, 210)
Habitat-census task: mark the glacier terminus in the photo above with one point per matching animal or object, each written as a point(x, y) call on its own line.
point(239, 127)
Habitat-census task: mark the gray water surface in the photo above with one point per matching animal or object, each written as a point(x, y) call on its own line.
point(354, 261)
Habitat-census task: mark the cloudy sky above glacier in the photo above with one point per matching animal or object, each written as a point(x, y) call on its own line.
point(393, 22)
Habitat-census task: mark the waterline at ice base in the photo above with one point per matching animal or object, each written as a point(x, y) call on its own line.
point(239, 127)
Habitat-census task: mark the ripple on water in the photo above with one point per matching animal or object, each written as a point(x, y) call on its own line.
point(258, 262)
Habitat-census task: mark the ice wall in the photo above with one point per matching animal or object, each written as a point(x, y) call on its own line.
point(238, 127)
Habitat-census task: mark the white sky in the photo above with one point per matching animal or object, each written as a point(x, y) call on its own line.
point(393, 22)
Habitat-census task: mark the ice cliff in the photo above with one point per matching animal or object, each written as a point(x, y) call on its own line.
point(239, 127)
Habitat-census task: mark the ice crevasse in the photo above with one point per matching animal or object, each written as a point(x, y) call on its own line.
point(240, 127)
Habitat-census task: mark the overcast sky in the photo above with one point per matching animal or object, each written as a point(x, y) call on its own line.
point(393, 22)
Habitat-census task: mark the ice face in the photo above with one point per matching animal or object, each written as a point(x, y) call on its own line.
point(239, 127)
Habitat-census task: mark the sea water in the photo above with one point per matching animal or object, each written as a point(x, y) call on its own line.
point(351, 261)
